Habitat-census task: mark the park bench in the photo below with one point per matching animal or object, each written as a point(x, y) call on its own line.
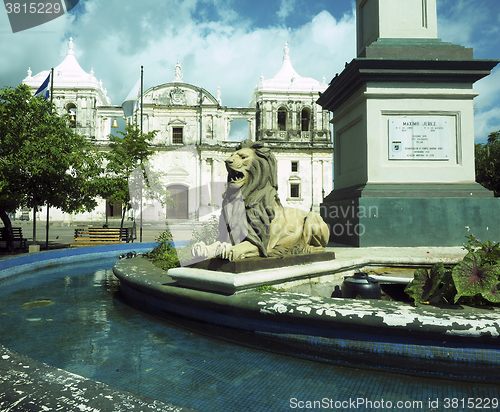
point(104, 236)
point(18, 236)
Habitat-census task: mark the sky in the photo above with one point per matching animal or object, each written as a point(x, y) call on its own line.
point(230, 44)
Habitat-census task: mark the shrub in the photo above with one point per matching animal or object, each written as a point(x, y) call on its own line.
point(474, 281)
point(166, 256)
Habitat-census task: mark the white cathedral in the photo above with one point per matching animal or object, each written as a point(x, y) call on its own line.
point(193, 136)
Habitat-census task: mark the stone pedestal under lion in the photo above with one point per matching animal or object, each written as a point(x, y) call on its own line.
point(253, 222)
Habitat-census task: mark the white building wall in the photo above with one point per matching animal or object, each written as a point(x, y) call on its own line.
point(198, 163)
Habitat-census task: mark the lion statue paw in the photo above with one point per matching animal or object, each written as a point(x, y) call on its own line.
point(203, 250)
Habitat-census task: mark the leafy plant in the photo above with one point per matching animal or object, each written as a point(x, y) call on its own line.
point(208, 233)
point(489, 252)
point(430, 285)
point(128, 175)
point(471, 278)
point(473, 281)
point(42, 160)
point(164, 254)
point(487, 158)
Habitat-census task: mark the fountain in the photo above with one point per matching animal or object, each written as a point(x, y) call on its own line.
point(223, 287)
point(106, 340)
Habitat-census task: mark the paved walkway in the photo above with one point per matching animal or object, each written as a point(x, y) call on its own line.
point(61, 235)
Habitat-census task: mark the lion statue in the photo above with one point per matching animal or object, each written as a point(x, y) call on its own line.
point(253, 222)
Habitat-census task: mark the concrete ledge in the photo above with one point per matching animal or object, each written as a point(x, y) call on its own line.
point(29, 385)
point(258, 263)
point(229, 283)
point(459, 342)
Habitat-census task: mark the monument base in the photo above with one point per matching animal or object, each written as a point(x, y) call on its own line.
point(406, 215)
point(259, 263)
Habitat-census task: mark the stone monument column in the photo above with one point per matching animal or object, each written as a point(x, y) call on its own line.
point(404, 135)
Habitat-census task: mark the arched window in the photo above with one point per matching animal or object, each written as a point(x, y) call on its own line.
point(282, 119)
point(71, 110)
point(305, 119)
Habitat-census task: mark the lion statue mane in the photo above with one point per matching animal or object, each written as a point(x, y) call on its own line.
point(253, 221)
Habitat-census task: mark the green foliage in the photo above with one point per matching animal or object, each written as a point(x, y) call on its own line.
point(429, 285)
point(490, 253)
point(208, 233)
point(164, 254)
point(128, 154)
point(42, 160)
point(473, 281)
point(488, 163)
point(269, 288)
point(472, 278)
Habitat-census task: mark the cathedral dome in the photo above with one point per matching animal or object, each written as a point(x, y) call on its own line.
point(69, 74)
point(288, 80)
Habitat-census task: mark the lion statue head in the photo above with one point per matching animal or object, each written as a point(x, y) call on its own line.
point(248, 206)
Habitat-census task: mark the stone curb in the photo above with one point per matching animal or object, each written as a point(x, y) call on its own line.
point(29, 385)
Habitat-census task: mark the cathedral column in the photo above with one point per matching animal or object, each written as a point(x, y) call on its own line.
point(251, 128)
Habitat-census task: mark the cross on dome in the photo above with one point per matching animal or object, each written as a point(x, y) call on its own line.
point(70, 46)
point(286, 50)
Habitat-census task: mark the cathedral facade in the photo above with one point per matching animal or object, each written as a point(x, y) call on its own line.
point(192, 139)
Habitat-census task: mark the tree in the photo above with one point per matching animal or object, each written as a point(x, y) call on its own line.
point(488, 163)
point(42, 160)
point(128, 154)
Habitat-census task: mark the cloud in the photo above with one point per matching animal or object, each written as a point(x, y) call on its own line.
point(457, 20)
point(470, 23)
point(286, 8)
point(486, 122)
point(38, 48)
point(215, 45)
point(474, 24)
point(488, 89)
point(115, 38)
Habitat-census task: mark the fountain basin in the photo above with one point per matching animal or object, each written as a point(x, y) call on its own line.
point(461, 342)
point(28, 384)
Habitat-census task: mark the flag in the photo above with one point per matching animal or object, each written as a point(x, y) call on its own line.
point(44, 89)
point(129, 106)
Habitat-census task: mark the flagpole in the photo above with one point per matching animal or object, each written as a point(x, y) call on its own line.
point(51, 100)
point(142, 77)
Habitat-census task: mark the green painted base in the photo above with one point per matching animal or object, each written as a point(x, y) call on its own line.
point(411, 221)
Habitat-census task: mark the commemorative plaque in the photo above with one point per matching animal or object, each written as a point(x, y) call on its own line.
point(419, 139)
